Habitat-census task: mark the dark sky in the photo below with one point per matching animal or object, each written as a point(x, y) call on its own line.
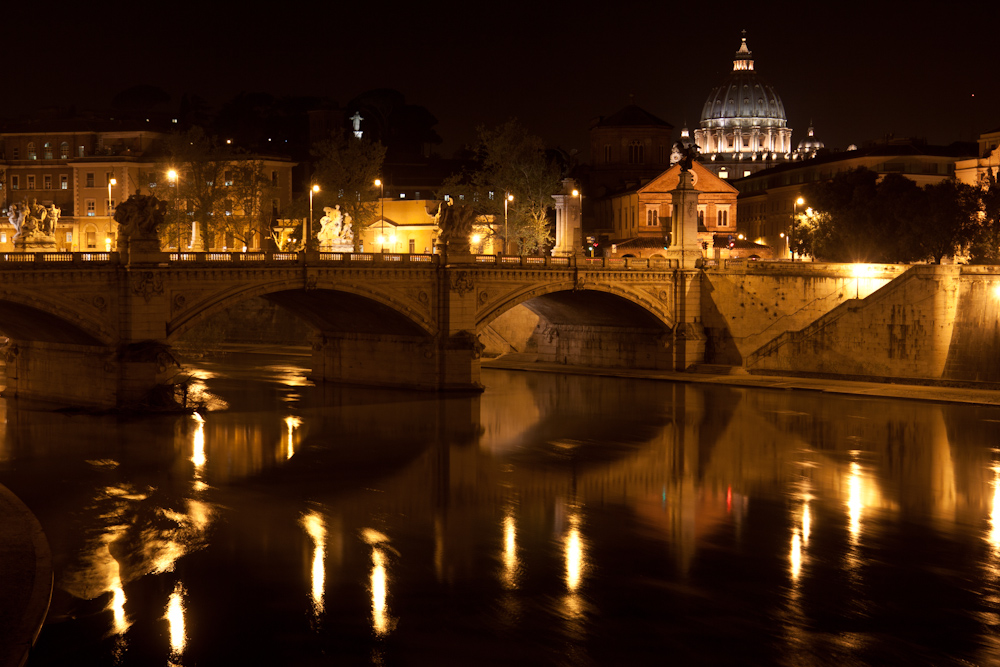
point(858, 70)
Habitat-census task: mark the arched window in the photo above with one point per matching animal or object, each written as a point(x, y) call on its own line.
point(48, 151)
point(635, 152)
point(64, 151)
point(32, 155)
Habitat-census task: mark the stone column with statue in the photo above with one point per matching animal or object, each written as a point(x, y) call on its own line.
point(685, 249)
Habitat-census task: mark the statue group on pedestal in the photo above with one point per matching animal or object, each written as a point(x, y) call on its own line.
point(34, 223)
point(335, 230)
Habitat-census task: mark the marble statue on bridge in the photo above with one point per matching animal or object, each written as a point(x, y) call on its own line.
point(455, 222)
point(139, 220)
point(335, 233)
point(35, 226)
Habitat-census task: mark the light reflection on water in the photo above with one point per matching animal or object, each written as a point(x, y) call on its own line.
point(597, 520)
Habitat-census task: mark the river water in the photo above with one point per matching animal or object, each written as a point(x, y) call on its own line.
point(552, 520)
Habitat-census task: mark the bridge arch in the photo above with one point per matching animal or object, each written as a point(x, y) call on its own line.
point(595, 304)
point(49, 319)
point(327, 306)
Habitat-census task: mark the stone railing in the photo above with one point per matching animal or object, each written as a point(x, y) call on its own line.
point(15, 259)
point(321, 258)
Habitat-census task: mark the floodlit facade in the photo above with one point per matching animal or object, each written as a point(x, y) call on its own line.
point(642, 217)
point(973, 170)
point(89, 168)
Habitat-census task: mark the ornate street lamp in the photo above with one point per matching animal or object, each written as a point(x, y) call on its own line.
point(305, 232)
point(172, 177)
point(381, 236)
point(791, 235)
point(506, 238)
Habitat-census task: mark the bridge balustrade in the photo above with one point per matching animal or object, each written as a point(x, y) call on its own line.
point(13, 259)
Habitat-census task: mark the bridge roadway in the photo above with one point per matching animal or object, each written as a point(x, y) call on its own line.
point(95, 329)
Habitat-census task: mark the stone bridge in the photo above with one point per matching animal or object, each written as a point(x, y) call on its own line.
point(96, 329)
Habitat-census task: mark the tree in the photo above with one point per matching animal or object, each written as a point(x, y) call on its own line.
point(513, 162)
point(941, 223)
point(860, 218)
point(985, 245)
point(244, 216)
point(346, 171)
point(200, 163)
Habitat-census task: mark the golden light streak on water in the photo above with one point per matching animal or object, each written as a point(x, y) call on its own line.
point(291, 423)
point(379, 585)
point(198, 457)
point(795, 556)
point(175, 619)
point(510, 561)
point(316, 529)
point(574, 553)
point(854, 504)
point(806, 522)
point(994, 535)
point(120, 623)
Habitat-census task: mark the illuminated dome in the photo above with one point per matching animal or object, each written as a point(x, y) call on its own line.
point(810, 145)
point(744, 118)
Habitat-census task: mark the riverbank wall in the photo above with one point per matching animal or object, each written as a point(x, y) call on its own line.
point(879, 321)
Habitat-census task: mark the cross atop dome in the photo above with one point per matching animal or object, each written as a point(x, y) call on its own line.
point(744, 57)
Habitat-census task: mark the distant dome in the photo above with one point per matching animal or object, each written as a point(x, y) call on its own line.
point(810, 145)
point(743, 98)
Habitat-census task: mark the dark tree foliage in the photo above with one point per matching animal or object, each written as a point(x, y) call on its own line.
point(985, 247)
point(862, 218)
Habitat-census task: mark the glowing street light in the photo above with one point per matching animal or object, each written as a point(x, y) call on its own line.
point(381, 237)
point(107, 241)
point(305, 232)
point(509, 198)
point(791, 235)
point(172, 177)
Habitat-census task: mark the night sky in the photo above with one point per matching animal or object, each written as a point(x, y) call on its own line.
point(857, 70)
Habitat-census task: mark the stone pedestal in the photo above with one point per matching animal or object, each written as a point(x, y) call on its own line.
point(40, 243)
point(569, 220)
point(684, 245)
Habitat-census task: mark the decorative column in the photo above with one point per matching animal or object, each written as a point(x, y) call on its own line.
point(684, 244)
point(569, 220)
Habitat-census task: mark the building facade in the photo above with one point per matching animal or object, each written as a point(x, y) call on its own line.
point(85, 170)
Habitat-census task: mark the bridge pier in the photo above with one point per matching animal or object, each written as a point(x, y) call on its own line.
point(90, 376)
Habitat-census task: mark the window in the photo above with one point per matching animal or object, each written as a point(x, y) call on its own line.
point(746, 172)
point(91, 239)
point(274, 179)
point(91, 207)
point(3, 237)
point(47, 153)
point(31, 151)
point(723, 218)
point(413, 246)
point(63, 182)
point(274, 208)
point(701, 218)
point(69, 236)
point(652, 218)
point(16, 154)
point(63, 151)
point(607, 153)
point(47, 181)
point(723, 173)
point(111, 206)
point(80, 151)
point(635, 153)
point(14, 183)
point(228, 178)
point(90, 180)
point(31, 181)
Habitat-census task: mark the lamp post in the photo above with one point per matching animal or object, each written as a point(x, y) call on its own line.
point(172, 177)
point(107, 241)
point(506, 239)
point(791, 235)
point(305, 232)
point(381, 235)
